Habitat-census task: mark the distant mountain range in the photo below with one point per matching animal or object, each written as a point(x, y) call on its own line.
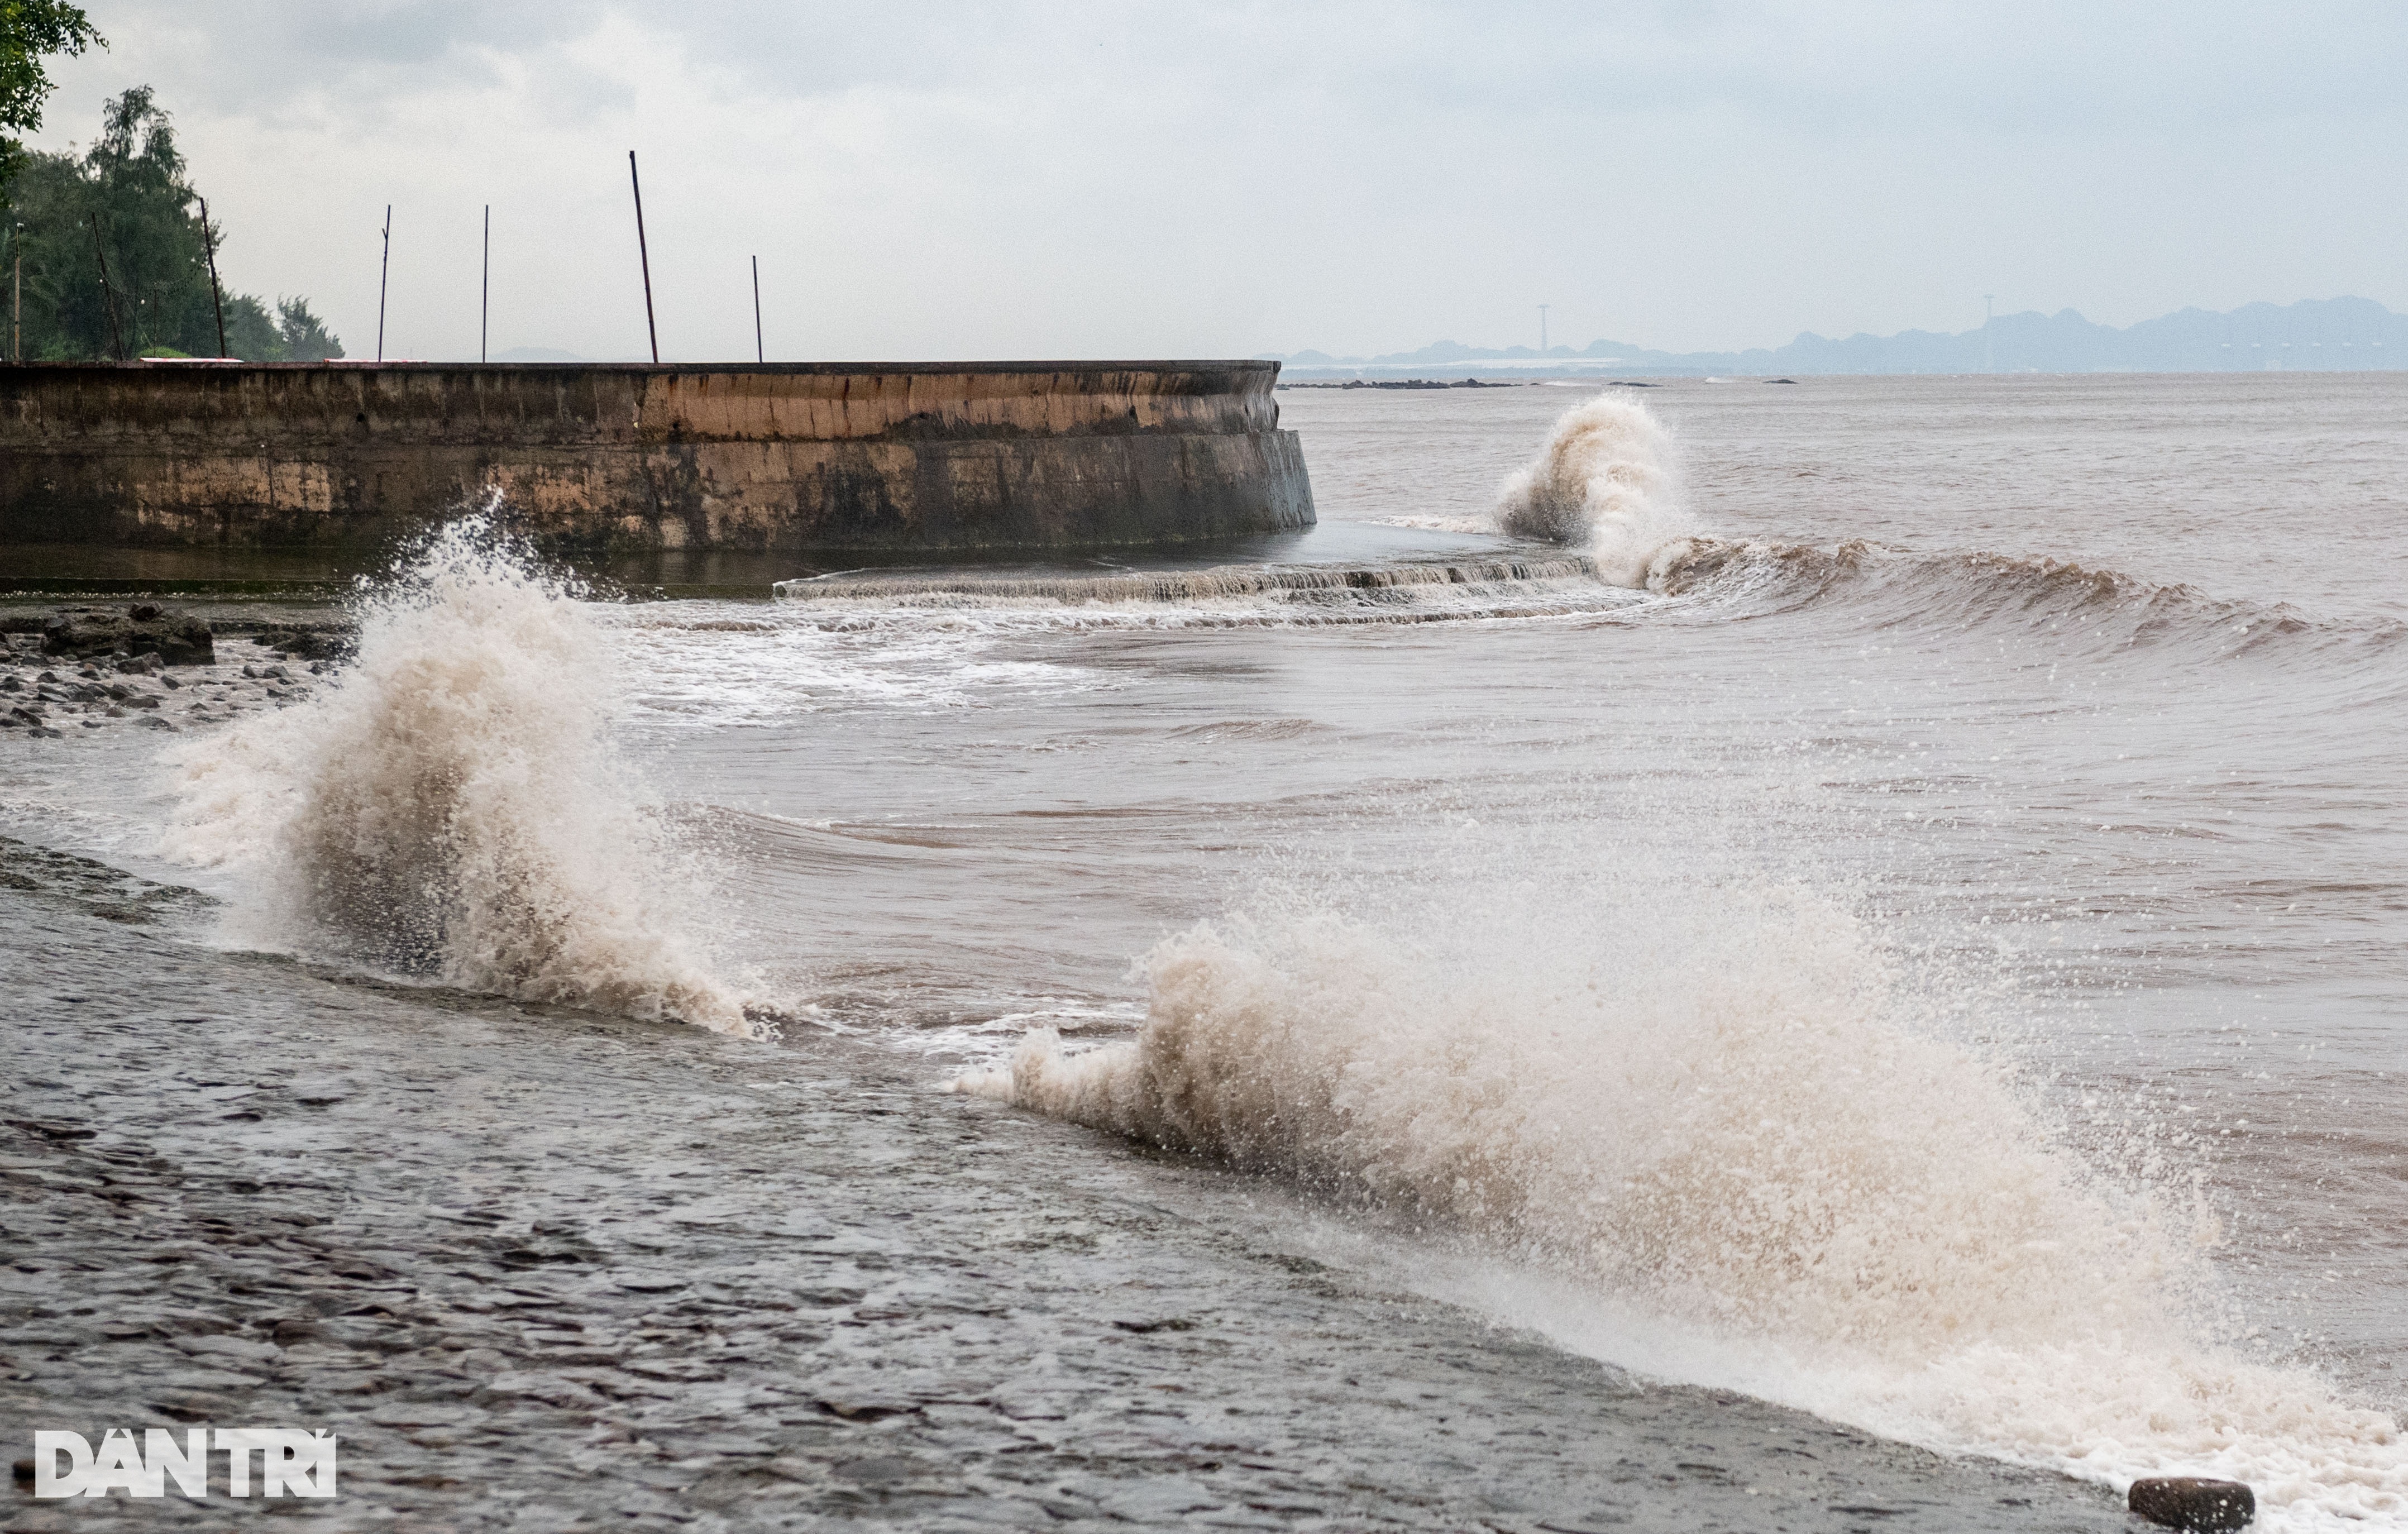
point(2317, 335)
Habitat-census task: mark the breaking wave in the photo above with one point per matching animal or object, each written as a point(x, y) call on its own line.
point(449, 807)
point(2078, 608)
point(1730, 1112)
point(952, 589)
point(1606, 481)
point(2103, 609)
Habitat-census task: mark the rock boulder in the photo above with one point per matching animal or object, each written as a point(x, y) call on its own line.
point(175, 636)
point(2192, 1502)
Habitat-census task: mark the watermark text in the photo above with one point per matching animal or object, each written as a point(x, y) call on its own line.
point(289, 1462)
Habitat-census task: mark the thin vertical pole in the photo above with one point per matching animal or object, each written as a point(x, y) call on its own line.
point(485, 293)
point(17, 309)
point(217, 300)
point(760, 353)
point(108, 297)
point(644, 255)
point(384, 274)
point(1542, 326)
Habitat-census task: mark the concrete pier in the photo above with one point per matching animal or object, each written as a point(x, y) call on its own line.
point(787, 457)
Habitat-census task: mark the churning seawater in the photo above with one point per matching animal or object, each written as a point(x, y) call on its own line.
point(1909, 929)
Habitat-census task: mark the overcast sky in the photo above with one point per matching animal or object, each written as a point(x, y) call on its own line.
point(931, 179)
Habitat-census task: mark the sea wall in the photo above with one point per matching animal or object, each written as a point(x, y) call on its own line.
point(780, 457)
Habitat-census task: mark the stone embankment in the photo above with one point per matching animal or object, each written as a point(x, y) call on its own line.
point(776, 458)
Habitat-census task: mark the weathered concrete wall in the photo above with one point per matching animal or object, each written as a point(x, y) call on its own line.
point(778, 457)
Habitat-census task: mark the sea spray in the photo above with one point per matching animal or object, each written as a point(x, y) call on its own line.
point(449, 807)
point(1605, 480)
point(1725, 1110)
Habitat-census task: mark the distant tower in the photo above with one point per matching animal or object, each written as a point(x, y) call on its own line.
point(1542, 327)
point(1989, 343)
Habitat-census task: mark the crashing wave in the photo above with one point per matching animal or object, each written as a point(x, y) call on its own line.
point(1606, 481)
point(1731, 1120)
point(449, 807)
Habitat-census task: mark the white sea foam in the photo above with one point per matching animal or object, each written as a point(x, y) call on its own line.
point(1714, 1132)
point(1607, 480)
point(449, 807)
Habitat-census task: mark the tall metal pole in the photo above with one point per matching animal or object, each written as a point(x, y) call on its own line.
point(384, 274)
point(116, 334)
point(485, 293)
point(217, 300)
point(17, 308)
point(644, 255)
point(760, 353)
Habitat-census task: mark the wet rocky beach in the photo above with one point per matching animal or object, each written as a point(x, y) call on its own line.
point(545, 1270)
point(97, 667)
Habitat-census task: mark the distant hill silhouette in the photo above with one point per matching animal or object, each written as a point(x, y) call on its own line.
point(2317, 335)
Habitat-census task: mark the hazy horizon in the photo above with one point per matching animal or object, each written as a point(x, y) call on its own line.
point(1074, 179)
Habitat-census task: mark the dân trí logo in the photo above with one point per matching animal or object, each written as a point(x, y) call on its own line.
point(291, 1463)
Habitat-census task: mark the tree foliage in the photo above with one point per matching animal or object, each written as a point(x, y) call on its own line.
point(116, 256)
point(31, 31)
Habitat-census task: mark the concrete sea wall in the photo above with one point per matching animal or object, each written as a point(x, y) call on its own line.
point(774, 458)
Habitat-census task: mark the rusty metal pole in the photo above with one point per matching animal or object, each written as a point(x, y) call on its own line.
point(107, 295)
point(210, 244)
point(760, 354)
point(644, 255)
point(384, 274)
point(485, 293)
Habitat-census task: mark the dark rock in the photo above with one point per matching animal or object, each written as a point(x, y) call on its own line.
point(2191, 1502)
point(19, 624)
point(305, 642)
point(177, 638)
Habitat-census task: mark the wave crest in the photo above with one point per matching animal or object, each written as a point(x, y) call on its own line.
point(1605, 480)
point(1730, 1122)
point(449, 806)
point(1748, 1135)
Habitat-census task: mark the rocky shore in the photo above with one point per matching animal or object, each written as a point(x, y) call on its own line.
point(149, 666)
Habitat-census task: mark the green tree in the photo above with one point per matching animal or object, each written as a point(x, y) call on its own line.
point(116, 261)
point(305, 336)
point(30, 31)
